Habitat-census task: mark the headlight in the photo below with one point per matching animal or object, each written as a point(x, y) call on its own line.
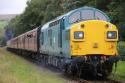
point(78, 35)
point(111, 35)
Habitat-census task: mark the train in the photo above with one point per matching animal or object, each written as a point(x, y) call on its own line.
point(80, 42)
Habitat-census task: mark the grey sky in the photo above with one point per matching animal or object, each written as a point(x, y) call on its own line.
point(12, 6)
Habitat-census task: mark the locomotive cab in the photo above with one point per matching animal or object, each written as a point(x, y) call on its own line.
point(91, 33)
point(93, 37)
point(93, 40)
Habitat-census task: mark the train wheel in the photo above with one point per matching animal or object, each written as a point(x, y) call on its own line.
point(69, 70)
point(104, 70)
point(79, 73)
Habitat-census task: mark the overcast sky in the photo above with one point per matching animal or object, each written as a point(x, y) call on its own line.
point(12, 6)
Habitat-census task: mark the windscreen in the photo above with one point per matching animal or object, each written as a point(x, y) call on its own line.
point(84, 15)
point(75, 17)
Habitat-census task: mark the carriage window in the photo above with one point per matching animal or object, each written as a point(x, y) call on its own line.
point(75, 17)
point(87, 15)
point(100, 16)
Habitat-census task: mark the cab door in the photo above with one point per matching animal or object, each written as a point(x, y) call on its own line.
point(60, 34)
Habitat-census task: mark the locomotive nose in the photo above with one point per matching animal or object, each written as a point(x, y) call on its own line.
point(90, 37)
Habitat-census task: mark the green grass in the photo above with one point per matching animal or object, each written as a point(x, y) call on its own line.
point(121, 48)
point(14, 69)
point(120, 72)
point(2, 24)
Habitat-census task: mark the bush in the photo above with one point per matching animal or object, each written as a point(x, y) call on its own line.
point(121, 50)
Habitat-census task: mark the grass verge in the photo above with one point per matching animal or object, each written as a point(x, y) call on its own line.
point(14, 69)
point(120, 72)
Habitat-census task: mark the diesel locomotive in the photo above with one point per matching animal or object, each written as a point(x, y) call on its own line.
point(80, 42)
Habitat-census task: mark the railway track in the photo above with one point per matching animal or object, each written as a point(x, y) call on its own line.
point(93, 81)
point(81, 80)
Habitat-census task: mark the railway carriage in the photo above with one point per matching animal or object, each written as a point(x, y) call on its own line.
point(27, 43)
point(80, 41)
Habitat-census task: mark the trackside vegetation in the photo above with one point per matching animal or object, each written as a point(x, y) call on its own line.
point(2, 39)
point(119, 74)
point(121, 50)
point(14, 69)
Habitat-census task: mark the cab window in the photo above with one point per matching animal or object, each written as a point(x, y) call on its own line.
point(75, 17)
point(87, 15)
point(100, 16)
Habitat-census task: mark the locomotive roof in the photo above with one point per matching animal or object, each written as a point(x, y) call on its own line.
point(70, 12)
